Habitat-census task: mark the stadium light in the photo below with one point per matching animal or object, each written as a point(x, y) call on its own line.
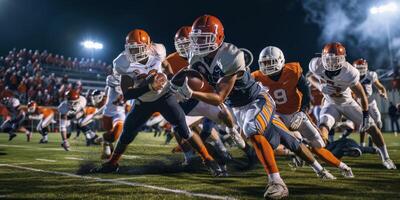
point(386, 8)
point(88, 44)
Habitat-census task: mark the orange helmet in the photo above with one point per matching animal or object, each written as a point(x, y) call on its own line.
point(361, 65)
point(137, 45)
point(73, 98)
point(206, 36)
point(32, 105)
point(182, 41)
point(333, 56)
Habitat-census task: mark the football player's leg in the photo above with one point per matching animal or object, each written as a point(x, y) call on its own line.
point(138, 115)
point(290, 141)
point(254, 119)
point(328, 117)
point(107, 122)
point(354, 113)
point(175, 115)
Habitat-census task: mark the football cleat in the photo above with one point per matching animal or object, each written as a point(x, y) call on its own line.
point(389, 164)
point(347, 173)
point(29, 136)
point(325, 175)
point(106, 167)
point(276, 190)
point(65, 145)
point(108, 148)
point(43, 141)
point(297, 162)
point(214, 168)
point(11, 136)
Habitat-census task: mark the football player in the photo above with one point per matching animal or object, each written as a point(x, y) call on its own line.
point(289, 88)
point(15, 119)
point(336, 78)
point(45, 117)
point(223, 66)
point(367, 79)
point(113, 114)
point(142, 64)
point(193, 107)
point(74, 108)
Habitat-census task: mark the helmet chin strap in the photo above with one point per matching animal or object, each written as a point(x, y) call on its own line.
point(275, 76)
point(332, 74)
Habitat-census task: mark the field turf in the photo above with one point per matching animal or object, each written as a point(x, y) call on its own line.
point(150, 171)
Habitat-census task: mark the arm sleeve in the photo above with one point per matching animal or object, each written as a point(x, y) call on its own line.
point(136, 92)
point(302, 85)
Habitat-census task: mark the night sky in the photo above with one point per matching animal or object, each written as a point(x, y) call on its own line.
point(60, 26)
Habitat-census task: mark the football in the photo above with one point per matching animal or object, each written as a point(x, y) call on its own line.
point(196, 81)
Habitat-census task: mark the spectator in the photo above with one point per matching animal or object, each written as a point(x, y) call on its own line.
point(394, 116)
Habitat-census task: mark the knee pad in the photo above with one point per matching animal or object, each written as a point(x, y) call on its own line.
point(327, 120)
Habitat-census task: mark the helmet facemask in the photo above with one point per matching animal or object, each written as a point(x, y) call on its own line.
point(333, 62)
point(363, 69)
point(73, 104)
point(269, 66)
point(203, 43)
point(182, 46)
point(31, 109)
point(136, 52)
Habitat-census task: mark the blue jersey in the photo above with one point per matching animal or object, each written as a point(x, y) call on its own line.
point(228, 61)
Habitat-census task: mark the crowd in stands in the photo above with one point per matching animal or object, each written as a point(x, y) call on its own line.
point(22, 75)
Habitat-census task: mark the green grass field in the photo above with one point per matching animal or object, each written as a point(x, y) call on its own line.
point(150, 171)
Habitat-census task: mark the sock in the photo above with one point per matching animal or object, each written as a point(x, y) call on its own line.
point(316, 166)
point(384, 152)
point(117, 130)
point(274, 177)
point(326, 156)
point(343, 166)
point(265, 153)
point(362, 144)
point(45, 137)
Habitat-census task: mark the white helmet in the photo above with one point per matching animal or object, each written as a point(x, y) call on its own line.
point(271, 60)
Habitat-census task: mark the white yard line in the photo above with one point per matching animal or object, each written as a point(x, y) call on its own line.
point(121, 182)
point(130, 157)
point(73, 158)
point(46, 160)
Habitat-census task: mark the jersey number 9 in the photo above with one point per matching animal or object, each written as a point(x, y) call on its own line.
point(280, 96)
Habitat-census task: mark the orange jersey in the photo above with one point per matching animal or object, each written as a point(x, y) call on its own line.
point(90, 110)
point(284, 91)
point(316, 96)
point(46, 112)
point(177, 62)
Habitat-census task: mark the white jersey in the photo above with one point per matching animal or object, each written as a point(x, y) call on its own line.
point(367, 81)
point(111, 107)
point(347, 77)
point(63, 108)
point(12, 107)
point(137, 70)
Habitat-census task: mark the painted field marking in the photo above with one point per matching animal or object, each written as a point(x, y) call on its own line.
point(121, 182)
point(73, 158)
point(46, 160)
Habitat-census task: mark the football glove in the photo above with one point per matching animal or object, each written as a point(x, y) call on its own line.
point(365, 122)
point(297, 120)
point(185, 91)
